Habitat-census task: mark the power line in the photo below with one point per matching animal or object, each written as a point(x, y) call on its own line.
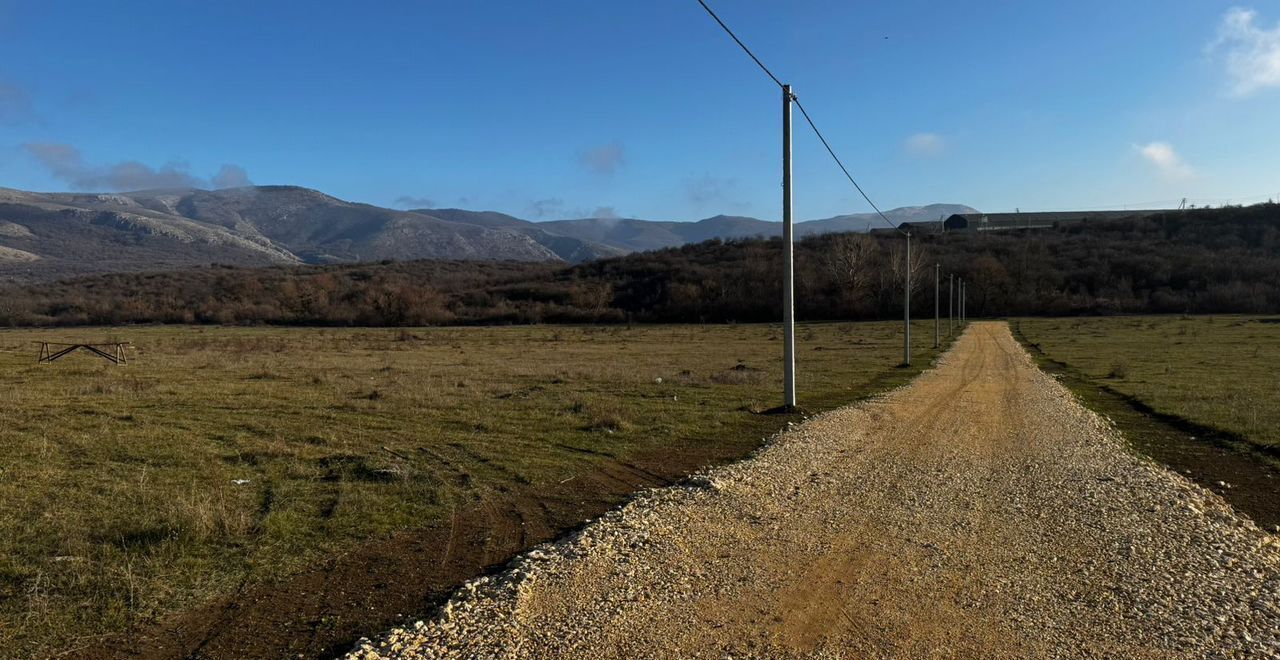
point(804, 112)
point(746, 50)
point(1161, 204)
point(842, 167)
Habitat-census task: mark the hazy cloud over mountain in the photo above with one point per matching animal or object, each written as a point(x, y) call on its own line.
point(231, 176)
point(413, 202)
point(66, 163)
point(605, 159)
point(555, 208)
point(545, 208)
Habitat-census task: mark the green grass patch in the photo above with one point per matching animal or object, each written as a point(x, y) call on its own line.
point(1218, 372)
point(1144, 391)
point(220, 457)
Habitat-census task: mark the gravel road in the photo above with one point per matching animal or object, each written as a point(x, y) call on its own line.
point(978, 512)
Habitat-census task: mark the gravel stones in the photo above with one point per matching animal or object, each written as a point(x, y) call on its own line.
point(978, 512)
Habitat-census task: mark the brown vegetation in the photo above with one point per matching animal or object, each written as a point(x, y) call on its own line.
point(1205, 261)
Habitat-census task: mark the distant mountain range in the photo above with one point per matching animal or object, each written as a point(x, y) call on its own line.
point(50, 235)
point(611, 236)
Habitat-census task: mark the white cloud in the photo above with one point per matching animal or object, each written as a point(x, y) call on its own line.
point(1252, 52)
point(604, 159)
point(1166, 160)
point(925, 144)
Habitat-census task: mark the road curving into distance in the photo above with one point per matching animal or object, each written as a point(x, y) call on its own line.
point(978, 512)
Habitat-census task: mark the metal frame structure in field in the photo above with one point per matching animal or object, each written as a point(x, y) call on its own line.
point(113, 352)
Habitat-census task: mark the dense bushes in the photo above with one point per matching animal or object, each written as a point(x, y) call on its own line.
point(1208, 261)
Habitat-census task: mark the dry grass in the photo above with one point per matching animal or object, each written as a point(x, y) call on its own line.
point(220, 455)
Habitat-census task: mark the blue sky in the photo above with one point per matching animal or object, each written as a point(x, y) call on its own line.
point(646, 109)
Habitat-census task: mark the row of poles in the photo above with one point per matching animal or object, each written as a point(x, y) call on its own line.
point(954, 299)
point(937, 318)
point(788, 242)
point(937, 297)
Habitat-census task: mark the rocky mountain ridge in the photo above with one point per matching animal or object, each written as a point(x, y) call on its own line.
point(51, 235)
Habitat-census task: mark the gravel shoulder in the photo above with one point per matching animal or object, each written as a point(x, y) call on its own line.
point(979, 511)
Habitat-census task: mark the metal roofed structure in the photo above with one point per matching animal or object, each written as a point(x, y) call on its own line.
point(1034, 219)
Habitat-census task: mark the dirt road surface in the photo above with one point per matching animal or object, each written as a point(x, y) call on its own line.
point(978, 512)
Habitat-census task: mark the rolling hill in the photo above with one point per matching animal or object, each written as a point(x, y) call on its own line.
point(51, 235)
point(612, 236)
point(72, 233)
point(1210, 261)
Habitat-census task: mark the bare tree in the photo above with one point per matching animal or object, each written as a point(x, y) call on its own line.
point(850, 260)
point(898, 269)
point(921, 268)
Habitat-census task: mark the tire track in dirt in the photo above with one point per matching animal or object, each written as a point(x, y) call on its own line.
point(321, 611)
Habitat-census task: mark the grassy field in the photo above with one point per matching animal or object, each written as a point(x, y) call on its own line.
point(224, 456)
point(1218, 372)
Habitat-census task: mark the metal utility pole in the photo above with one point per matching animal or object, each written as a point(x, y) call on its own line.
point(951, 304)
point(788, 289)
point(937, 320)
point(906, 308)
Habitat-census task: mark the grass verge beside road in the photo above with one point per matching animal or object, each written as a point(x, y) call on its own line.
point(1218, 372)
point(1199, 394)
